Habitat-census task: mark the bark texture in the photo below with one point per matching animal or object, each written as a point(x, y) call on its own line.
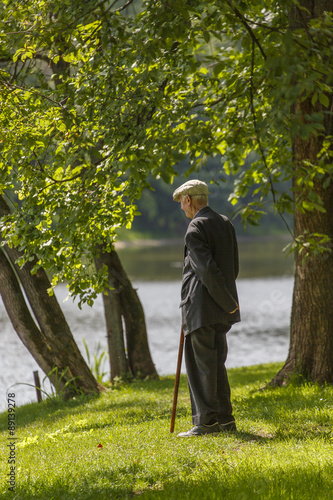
point(113, 318)
point(311, 332)
point(21, 318)
point(124, 296)
point(311, 336)
point(51, 343)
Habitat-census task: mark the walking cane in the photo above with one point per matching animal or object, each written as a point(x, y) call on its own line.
point(175, 392)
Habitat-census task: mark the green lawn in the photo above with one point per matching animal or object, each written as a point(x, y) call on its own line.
point(283, 448)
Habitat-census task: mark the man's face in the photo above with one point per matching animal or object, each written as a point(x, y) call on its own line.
point(186, 205)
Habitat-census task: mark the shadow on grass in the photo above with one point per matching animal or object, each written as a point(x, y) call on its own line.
point(57, 408)
point(48, 411)
point(250, 437)
point(291, 411)
point(287, 482)
point(275, 413)
point(85, 489)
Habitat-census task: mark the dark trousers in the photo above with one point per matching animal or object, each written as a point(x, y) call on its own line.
point(205, 355)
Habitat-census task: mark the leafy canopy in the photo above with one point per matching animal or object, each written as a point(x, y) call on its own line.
point(95, 97)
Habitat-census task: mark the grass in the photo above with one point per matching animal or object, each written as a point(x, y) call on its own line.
point(118, 445)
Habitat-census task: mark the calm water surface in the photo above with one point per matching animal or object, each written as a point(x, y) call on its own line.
point(265, 291)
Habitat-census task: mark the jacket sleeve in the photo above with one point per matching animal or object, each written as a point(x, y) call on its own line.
point(236, 258)
point(206, 269)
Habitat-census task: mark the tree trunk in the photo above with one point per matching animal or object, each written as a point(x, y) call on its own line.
point(113, 318)
point(139, 357)
point(311, 332)
point(138, 353)
point(21, 318)
point(53, 327)
point(311, 335)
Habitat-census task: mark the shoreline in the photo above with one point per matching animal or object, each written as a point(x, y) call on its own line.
point(169, 242)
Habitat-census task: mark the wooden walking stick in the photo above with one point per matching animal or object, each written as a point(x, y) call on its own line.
point(175, 392)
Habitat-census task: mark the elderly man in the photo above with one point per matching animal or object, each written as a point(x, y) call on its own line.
point(209, 305)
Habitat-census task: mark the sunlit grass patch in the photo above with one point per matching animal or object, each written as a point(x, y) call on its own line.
point(118, 445)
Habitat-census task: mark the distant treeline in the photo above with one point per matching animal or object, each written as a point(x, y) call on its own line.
point(162, 217)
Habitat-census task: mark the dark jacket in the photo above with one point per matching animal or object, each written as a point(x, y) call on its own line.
point(209, 294)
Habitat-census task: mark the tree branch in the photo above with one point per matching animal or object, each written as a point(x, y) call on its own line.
point(123, 7)
point(261, 149)
point(248, 27)
point(166, 3)
point(19, 32)
point(12, 87)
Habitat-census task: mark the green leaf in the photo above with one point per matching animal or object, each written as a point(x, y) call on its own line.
point(324, 100)
point(307, 205)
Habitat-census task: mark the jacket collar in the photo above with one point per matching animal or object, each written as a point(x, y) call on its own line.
point(202, 211)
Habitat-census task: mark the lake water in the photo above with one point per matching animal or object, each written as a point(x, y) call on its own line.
point(265, 293)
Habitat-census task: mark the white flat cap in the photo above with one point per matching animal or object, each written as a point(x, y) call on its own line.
point(191, 188)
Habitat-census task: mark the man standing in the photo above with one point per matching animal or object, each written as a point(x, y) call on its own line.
point(209, 305)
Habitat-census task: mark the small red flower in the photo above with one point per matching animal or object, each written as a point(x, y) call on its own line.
point(99, 445)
